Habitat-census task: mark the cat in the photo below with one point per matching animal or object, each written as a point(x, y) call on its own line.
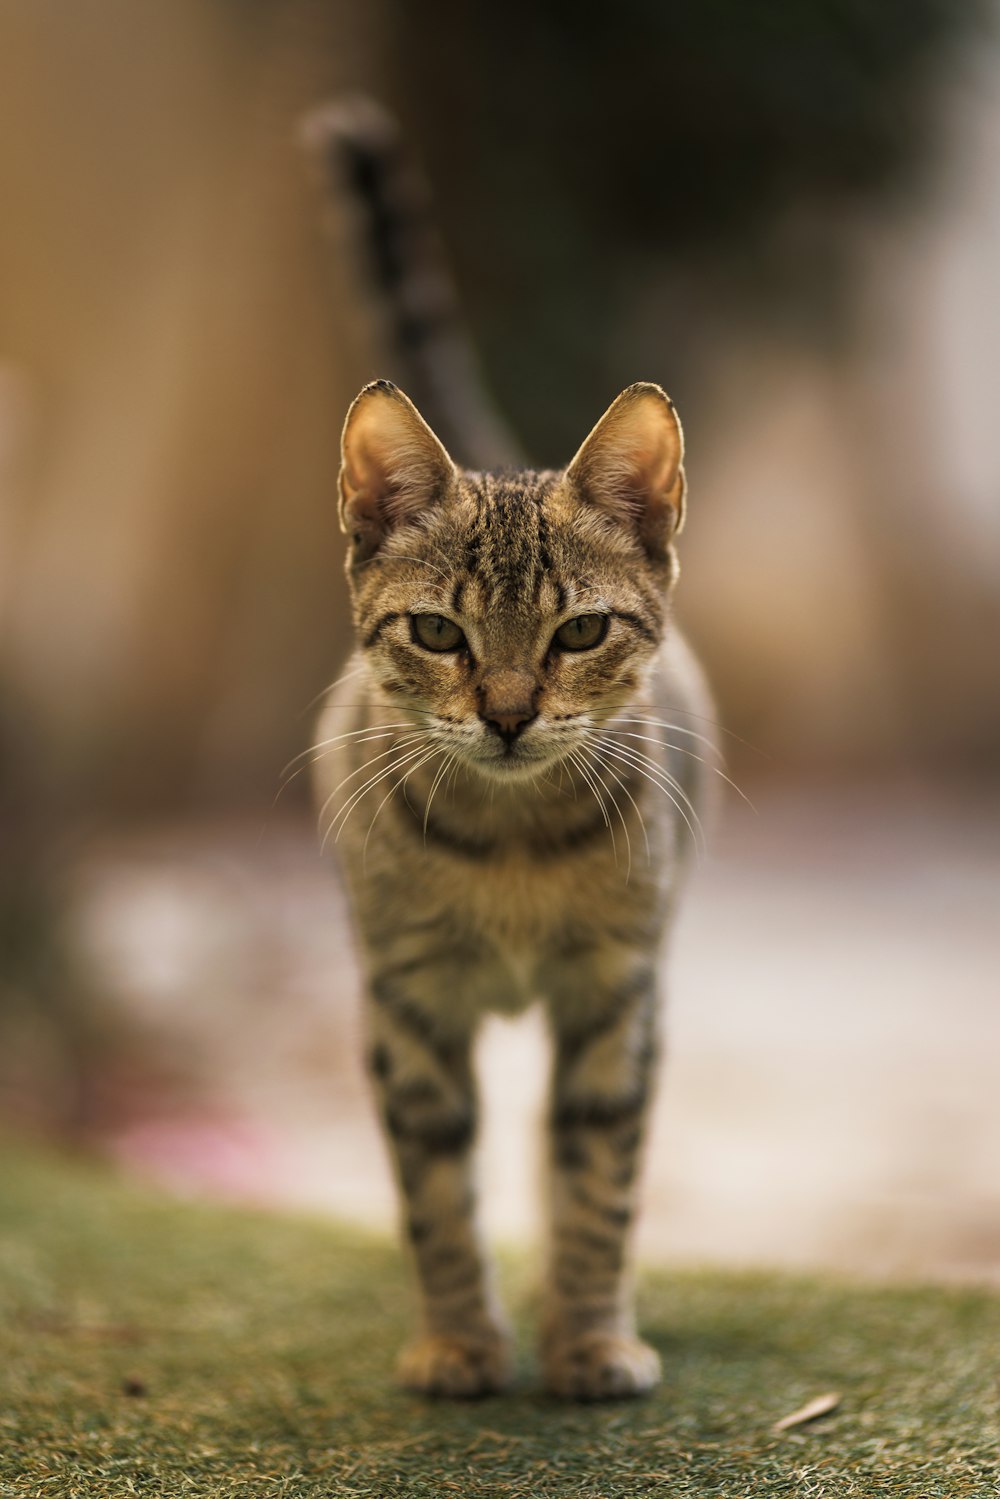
point(509, 772)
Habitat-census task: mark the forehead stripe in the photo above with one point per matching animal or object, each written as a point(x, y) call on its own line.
point(637, 624)
point(379, 626)
point(544, 555)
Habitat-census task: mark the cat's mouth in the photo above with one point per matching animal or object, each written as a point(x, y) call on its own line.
point(514, 760)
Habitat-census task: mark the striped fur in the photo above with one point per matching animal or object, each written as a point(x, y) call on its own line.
point(504, 841)
point(513, 817)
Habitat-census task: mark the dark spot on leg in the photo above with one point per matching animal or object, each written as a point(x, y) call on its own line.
point(380, 1062)
point(571, 1153)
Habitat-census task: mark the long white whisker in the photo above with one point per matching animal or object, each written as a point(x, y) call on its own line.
point(544, 779)
point(651, 739)
point(385, 558)
point(674, 792)
point(649, 769)
point(621, 817)
point(328, 747)
point(442, 772)
point(672, 728)
point(361, 791)
point(612, 772)
point(347, 676)
point(641, 756)
point(372, 760)
point(581, 767)
point(703, 718)
point(453, 778)
point(388, 796)
point(343, 815)
point(370, 728)
point(356, 795)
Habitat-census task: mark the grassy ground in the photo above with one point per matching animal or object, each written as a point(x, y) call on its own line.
point(150, 1348)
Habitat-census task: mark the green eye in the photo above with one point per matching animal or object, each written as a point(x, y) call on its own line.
point(582, 633)
point(435, 633)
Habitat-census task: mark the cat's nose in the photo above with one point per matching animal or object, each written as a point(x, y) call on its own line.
point(507, 701)
point(510, 723)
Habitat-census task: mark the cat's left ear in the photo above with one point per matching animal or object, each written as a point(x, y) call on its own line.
point(631, 466)
point(392, 466)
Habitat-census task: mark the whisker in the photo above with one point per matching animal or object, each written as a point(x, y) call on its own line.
point(581, 767)
point(640, 756)
point(650, 769)
point(347, 676)
point(385, 558)
point(442, 771)
point(703, 718)
point(544, 779)
point(612, 772)
point(327, 746)
point(401, 744)
point(343, 816)
point(453, 778)
point(651, 739)
point(621, 818)
point(388, 796)
point(359, 792)
point(368, 728)
point(672, 728)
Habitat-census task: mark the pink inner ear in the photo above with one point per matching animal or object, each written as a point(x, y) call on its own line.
point(635, 460)
point(393, 464)
point(357, 482)
point(665, 468)
point(372, 452)
point(656, 452)
point(630, 465)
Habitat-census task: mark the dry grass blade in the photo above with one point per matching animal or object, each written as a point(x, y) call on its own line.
point(823, 1405)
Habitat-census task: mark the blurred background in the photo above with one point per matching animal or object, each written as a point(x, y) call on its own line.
point(789, 215)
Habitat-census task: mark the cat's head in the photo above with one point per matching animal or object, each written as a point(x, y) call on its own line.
point(510, 613)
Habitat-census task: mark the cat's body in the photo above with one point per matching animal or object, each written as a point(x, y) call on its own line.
point(510, 770)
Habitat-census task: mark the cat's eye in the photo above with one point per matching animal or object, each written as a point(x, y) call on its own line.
point(581, 633)
point(435, 633)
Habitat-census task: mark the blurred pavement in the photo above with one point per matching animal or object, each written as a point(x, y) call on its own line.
point(832, 1082)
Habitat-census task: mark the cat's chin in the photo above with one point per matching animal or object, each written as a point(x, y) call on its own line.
point(517, 767)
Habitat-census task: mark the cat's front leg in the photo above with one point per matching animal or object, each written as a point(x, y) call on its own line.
point(420, 1061)
point(603, 1011)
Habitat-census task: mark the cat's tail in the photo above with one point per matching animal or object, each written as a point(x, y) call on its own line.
point(364, 160)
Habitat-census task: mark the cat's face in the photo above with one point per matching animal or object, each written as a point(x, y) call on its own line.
point(510, 615)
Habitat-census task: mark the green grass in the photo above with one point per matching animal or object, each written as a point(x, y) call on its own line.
point(155, 1348)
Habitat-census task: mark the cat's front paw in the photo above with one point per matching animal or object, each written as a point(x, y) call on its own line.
point(460, 1366)
point(600, 1366)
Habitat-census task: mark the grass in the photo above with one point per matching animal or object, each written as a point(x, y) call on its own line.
point(154, 1348)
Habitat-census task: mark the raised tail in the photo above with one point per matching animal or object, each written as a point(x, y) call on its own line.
point(364, 159)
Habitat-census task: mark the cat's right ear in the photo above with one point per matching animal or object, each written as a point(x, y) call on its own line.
point(392, 466)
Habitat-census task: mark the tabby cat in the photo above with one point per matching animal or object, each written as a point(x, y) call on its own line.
point(509, 771)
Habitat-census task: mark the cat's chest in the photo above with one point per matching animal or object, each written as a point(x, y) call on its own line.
point(512, 917)
point(526, 906)
point(522, 916)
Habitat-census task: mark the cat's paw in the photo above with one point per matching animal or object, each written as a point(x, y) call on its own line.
point(460, 1366)
point(600, 1366)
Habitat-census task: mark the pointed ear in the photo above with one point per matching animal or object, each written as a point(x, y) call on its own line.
point(631, 466)
point(392, 466)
